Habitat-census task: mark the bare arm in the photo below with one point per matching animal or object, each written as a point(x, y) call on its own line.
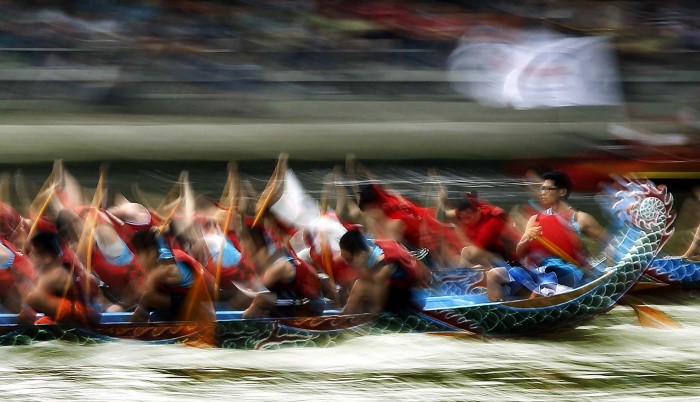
point(55, 281)
point(590, 227)
point(532, 231)
point(593, 230)
point(281, 271)
point(447, 213)
point(694, 248)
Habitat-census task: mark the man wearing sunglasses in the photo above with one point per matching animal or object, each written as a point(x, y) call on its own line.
point(551, 247)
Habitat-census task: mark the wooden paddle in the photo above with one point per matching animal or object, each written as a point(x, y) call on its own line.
point(40, 212)
point(326, 251)
point(271, 189)
point(230, 194)
point(177, 192)
point(198, 306)
point(23, 199)
point(352, 176)
point(648, 316)
point(86, 242)
point(43, 198)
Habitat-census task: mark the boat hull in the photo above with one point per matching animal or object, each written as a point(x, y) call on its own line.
point(643, 216)
point(676, 271)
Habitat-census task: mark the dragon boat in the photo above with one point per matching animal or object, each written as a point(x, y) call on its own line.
point(459, 306)
point(675, 271)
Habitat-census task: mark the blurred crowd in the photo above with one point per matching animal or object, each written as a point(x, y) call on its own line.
point(112, 52)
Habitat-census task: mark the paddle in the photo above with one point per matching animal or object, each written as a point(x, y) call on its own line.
point(86, 242)
point(198, 306)
point(177, 191)
point(38, 207)
point(326, 251)
point(230, 193)
point(143, 198)
point(271, 189)
point(648, 316)
point(352, 175)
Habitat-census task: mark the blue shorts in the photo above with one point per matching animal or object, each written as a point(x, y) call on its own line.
point(552, 272)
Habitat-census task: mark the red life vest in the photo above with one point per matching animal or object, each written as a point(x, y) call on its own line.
point(244, 272)
point(422, 228)
point(127, 229)
point(406, 274)
point(343, 274)
point(190, 263)
point(85, 287)
point(22, 265)
point(559, 231)
point(117, 277)
point(492, 233)
point(306, 283)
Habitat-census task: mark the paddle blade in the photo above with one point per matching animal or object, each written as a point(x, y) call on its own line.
point(652, 317)
point(273, 189)
point(198, 309)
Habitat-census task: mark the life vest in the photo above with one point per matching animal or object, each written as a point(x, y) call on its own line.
point(79, 304)
point(492, 233)
point(422, 229)
point(306, 283)
point(191, 270)
point(115, 273)
point(242, 272)
point(561, 232)
point(127, 229)
point(117, 276)
point(407, 273)
point(343, 274)
point(17, 264)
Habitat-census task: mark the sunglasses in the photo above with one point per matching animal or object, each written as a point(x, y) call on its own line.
point(549, 188)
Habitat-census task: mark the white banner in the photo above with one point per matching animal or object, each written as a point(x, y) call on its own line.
point(536, 72)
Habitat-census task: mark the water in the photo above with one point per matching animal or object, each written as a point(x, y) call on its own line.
point(610, 358)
